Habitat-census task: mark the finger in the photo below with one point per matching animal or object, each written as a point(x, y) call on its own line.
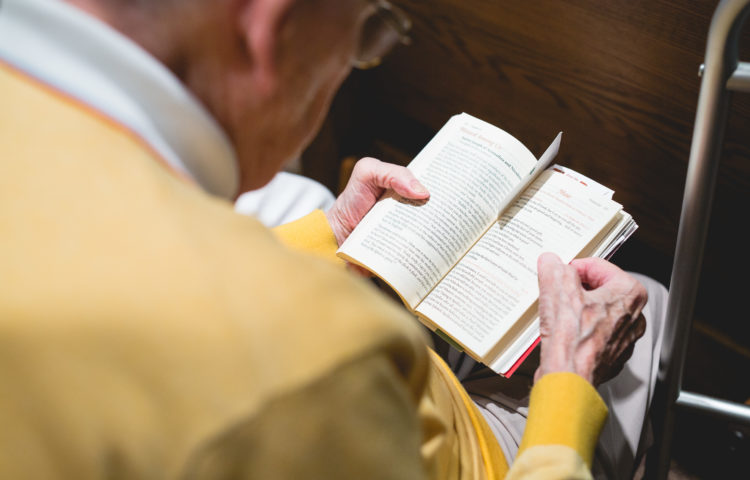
point(606, 280)
point(640, 327)
point(556, 278)
point(626, 354)
point(596, 272)
point(627, 336)
point(618, 364)
point(547, 267)
point(381, 175)
point(625, 289)
point(559, 287)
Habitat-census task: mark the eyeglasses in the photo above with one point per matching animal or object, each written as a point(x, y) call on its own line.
point(386, 27)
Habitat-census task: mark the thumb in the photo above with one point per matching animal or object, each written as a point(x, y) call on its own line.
point(550, 278)
point(546, 267)
point(381, 175)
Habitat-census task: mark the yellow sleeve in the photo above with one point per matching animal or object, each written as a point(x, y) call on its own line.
point(310, 234)
point(565, 418)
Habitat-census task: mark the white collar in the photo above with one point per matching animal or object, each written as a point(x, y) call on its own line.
point(83, 57)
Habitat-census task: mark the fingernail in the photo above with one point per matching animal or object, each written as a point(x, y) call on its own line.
point(417, 187)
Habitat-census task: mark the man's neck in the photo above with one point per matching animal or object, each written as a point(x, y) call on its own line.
point(143, 25)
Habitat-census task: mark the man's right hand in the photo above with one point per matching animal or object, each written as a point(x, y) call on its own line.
point(370, 179)
point(590, 317)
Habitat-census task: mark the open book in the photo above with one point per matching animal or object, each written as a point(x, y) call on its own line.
point(465, 260)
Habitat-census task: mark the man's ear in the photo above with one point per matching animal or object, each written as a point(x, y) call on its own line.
point(261, 23)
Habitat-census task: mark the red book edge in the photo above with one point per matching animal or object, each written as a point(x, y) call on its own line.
point(520, 360)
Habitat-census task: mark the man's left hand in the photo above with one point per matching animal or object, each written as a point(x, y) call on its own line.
point(589, 317)
point(370, 179)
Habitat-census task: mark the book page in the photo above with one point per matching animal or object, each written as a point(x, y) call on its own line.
point(468, 168)
point(495, 283)
point(593, 186)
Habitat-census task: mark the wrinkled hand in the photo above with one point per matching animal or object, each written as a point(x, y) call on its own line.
point(370, 178)
point(590, 317)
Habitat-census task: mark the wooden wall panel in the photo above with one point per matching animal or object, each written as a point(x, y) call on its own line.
point(619, 78)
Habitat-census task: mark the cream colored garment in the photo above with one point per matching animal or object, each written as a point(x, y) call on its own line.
point(286, 198)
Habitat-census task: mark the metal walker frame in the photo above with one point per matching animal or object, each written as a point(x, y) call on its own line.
point(722, 74)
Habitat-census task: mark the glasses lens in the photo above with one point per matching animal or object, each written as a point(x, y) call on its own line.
point(383, 30)
point(378, 38)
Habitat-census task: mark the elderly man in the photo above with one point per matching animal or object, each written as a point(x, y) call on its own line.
point(148, 331)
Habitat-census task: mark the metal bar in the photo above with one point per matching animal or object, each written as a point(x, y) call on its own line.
point(731, 411)
point(708, 132)
point(740, 79)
